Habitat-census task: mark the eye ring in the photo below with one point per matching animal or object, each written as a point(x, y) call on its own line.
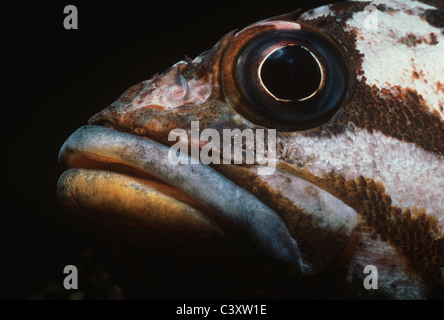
point(246, 91)
point(255, 76)
point(274, 51)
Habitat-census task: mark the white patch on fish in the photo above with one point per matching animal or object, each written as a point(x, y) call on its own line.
point(317, 12)
point(388, 62)
point(410, 175)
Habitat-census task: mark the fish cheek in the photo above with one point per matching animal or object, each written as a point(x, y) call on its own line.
point(321, 236)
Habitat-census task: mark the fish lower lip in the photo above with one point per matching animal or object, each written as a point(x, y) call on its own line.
point(229, 202)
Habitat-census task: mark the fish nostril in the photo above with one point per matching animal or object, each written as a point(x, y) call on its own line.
point(179, 90)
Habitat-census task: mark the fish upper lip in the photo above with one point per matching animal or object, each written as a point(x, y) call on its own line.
point(230, 202)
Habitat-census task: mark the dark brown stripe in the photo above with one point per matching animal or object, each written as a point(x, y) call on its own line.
point(403, 115)
point(435, 17)
point(415, 234)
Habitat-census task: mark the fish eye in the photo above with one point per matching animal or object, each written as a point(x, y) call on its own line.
point(290, 73)
point(290, 78)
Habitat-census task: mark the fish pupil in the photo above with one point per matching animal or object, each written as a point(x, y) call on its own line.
point(291, 73)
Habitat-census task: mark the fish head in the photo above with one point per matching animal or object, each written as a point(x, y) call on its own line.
point(336, 114)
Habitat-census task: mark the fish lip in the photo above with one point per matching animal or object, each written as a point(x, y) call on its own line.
point(262, 226)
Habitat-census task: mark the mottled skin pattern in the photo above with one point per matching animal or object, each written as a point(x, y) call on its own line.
point(372, 131)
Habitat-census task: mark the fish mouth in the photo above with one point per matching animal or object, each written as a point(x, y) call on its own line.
point(121, 176)
point(130, 180)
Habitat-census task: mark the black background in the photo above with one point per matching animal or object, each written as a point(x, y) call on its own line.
point(53, 81)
